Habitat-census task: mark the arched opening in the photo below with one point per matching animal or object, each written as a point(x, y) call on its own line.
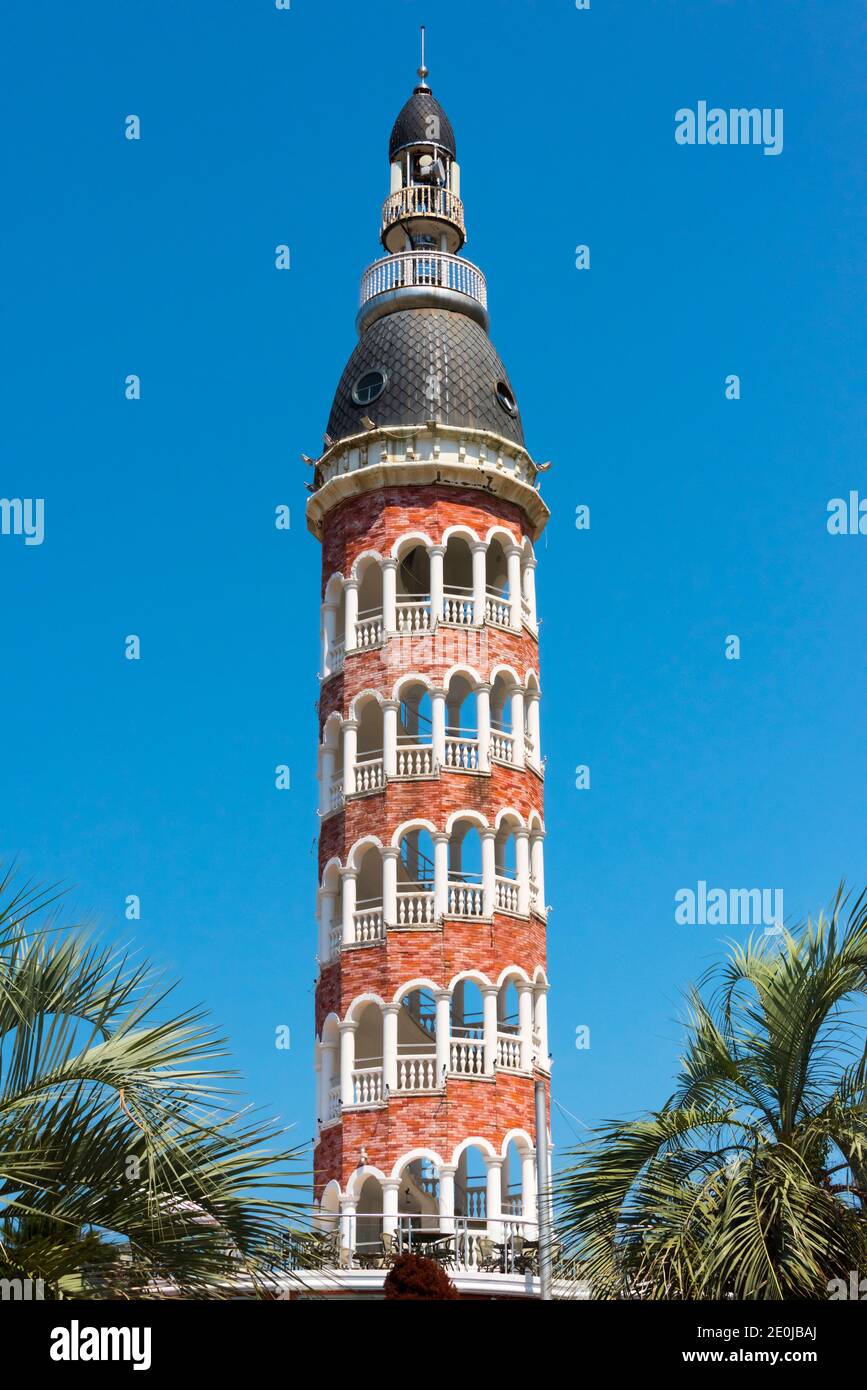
point(462, 727)
point(502, 732)
point(532, 737)
point(368, 1220)
point(416, 1041)
point(369, 626)
point(368, 896)
point(467, 1046)
point(367, 1073)
point(497, 605)
point(458, 582)
point(471, 1188)
point(506, 867)
point(418, 1198)
point(414, 732)
point(508, 1026)
point(415, 879)
point(413, 590)
point(465, 896)
point(369, 774)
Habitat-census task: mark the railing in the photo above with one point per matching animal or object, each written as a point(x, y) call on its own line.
point(369, 1240)
point(335, 941)
point(424, 268)
point(498, 609)
point(475, 1202)
point(369, 924)
point(334, 1103)
point(465, 899)
point(458, 606)
point(413, 615)
point(417, 1072)
point(502, 746)
point(336, 654)
point(526, 616)
point(335, 795)
point(369, 629)
point(506, 894)
point(467, 1056)
point(367, 1085)
point(415, 905)
point(369, 772)
point(423, 200)
point(508, 1051)
point(462, 751)
point(415, 760)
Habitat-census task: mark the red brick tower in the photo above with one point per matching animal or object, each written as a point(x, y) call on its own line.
point(431, 1023)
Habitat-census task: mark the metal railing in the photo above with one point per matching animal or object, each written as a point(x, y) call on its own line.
point(423, 200)
point(426, 269)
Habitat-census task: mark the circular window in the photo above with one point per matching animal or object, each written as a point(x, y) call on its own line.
point(368, 387)
point(506, 399)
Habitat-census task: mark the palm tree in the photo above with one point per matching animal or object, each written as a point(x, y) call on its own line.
point(751, 1181)
point(119, 1147)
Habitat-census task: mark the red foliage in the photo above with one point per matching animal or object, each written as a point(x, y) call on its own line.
point(413, 1276)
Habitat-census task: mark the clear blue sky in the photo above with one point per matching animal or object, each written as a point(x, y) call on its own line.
point(707, 516)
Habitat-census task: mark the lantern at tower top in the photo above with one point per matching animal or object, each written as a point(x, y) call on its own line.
point(423, 210)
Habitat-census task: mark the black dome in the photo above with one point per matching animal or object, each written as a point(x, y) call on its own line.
point(414, 124)
point(438, 365)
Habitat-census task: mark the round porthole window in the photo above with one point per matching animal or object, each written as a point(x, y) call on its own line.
point(368, 387)
point(505, 397)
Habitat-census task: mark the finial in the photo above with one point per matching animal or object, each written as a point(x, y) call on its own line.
point(423, 71)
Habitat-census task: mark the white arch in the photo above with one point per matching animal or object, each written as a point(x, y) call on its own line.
point(414, 678)
point(475, 1141)
point(403, 990)
point(368, 694)
point(520, 1138)
point(334, 588)
point(503, 670)
point(513, 814)
point(412, 1155)
point(540, 976)
point(333, 863)
point(513, 972)
point(359, 1177)
point(501, 533)
point(478, 977)
point(464, 533)
point(474, 817)
point(532, 675)
point(535, 822)
point(462, 669)
point(409, 825)
point(354, 857)
point(363, 560)
point(410, 538)
point(330, 1024)
point(360, 1003)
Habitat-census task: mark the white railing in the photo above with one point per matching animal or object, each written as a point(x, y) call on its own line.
point(462, 752)
point(415, 760)
point(369, 924)
point(468, 1244)
point(335, 941)
point(506, 894)
point(508, 1051)
point(423, 200)
point(424, 268)
point(413, 615)
point(498, 608)
point(458, 606)
point(367, 1085)
point(465, 900)
point(467, 1056)
point(369, 630)
point(502, 746)
point(525, 612)
point(475, 1202)
point(336, 654)
point(417, 1072)
point(369, 773)
point(335, 795)
point(334, 1102)
point(415, 905)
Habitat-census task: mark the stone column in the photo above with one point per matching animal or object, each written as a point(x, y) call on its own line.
point(389, 737)
point(542, 1025)
point(494, 1197)
point(447, 1198)
point(443, 1034)
point(329, 634)
point(528, 1195)
point(513, 561)
point(327, 763)
point(525, 1023)
point(530, 582)
point(390, 856)
point(390, 1016)
point(389, 596)
point(349, 879)
point(390, 1192)
point(347, 1062)
point(517, 694)
point(479, 552)
point(436, 553)
point(438, 726)
point(441, 873)
point(351, 591)
point(537, 859)
point(483, 721)
point(327, 905)
point(533, 726)
point(489, 1029)
point(350, 751)
point(522, 870)
point(489, 870)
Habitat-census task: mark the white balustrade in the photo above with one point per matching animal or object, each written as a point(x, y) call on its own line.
point(369, 924)
point(369, 773)
point(413, 615)
point(415, 760)
point(462, 753)
point(498, 609)
point(465, 899)
point(336, 654)
point(369, 630)
point(476, 1201)
point(502, 746)
point(458, 607)
point(335, 796)
point(367, 1085)
point(334, 1103)
point(415, 905)
point(335, 941)
point(413, 268)
point(423, 200)
point(467, 1056)
point(506, 894)
point(508, 1052)
point(417, 1072)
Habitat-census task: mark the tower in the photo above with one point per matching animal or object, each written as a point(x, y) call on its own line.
point(431, 1000)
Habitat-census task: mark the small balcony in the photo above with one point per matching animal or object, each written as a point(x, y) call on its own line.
point(422, 279)
point(423, 201)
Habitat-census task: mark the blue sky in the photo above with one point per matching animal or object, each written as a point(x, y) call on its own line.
point(708, 516)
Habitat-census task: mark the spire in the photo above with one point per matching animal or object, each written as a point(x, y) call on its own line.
point(422, 71)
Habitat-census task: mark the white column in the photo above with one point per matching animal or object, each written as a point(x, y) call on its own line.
point(321, 1103)
point(390, 1190)
point(389, 596)
point(390, 855)
point(513, 562)
point(530, 590)
point(537, 858)
point(390, 1014)
point(327, 761)
point(351, 590)
point(494, 1197)
point(489, 1027)
point(436, 552)
point(447, 1197)
point(522, 870)
point(350, 751)
point(443, 1034)
point(329, 634)
point(389, 737)
point(483, 720)
point(327, 904)
point(347, 1062)
point(525, 1024)
point(438, 725)
point(517, 694)
point(542, 1025)
point(489, 870)
point(347, 1229)
point(441, 873)
point(528, 1194)
point(534, 726)
point(480, 551)
point(349, 878)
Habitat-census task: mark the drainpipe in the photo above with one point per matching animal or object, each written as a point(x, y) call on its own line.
point(543, 1184)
